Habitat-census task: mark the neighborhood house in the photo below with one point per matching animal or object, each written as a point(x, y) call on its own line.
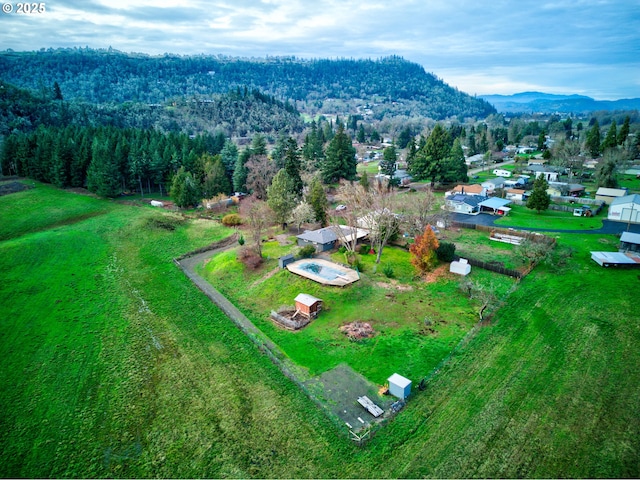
point(625, 209)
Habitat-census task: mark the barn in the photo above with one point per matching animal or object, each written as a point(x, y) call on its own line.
point(308, 305)
point(625, 209)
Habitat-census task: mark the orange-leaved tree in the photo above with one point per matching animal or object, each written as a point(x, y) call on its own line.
point(423, 250)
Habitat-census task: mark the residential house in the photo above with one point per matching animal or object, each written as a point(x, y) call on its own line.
point(459, 203)
point(608, 195)
point(516, 194)
point(493, 184)
point(625, 209)
point(576, 190)
point(558, 189)
point(549, 173)
point(323, 239)
point(468, 189)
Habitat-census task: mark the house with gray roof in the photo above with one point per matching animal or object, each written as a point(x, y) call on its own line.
point(323, 239)
point(460, 203)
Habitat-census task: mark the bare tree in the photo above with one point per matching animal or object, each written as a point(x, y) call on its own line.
point(484, 293)
point(258, 216)
point(260, 173)
point(418, 210)
point(302, 213)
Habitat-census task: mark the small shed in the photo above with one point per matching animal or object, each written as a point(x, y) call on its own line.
point(399, 386)
point(630, 242)
point(285, 260)
point(461, 267)
point(308, 305)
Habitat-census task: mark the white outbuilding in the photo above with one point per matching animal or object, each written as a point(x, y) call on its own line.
point(625, 209)
point(399, 386)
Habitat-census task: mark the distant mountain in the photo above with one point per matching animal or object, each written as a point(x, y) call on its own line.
point(379, 88)
point(537, 102)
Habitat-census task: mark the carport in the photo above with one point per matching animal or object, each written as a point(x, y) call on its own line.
point(495, 205)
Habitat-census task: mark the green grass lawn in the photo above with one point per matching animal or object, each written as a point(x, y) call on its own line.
point(521, 216)
point(396, 308)
point(112, 364)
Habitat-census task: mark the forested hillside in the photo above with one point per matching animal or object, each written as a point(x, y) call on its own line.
point(386, 87)
point(235, 114)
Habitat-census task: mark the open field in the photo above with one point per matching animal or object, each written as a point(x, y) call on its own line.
point(112, 364)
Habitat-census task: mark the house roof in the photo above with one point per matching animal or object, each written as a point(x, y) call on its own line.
point(629, 237)
point(494, 181)
point(322, 236)
point(612, 192)
point(573, 187)
point(306, 299)
point(471, 189)
point(634, 198)
point(516, 190)
point(495, 203)
point(472, 200)
point(399, 380)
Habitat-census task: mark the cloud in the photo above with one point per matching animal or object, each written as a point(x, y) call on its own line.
point(582, 46)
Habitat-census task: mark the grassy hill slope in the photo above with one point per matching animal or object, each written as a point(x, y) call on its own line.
point(113, 364)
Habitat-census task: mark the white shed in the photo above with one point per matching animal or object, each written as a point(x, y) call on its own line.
point(461, 267)
point(399, 386)
point(625, 209)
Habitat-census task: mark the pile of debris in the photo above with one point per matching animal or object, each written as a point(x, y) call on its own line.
point(358, 330)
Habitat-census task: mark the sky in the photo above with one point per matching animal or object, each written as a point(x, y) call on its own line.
point(586, 47)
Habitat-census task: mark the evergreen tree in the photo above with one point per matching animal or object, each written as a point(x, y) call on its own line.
point(185, 191)
point(611, 138)
point(429, 160)
point(259, 144)
point(364, 181)
point(229, 155)
point(103, 174)
point(389, 161)
point(539, 199)
point(340, 161)
point(281, 197)
point(361, 136)
point(454, 167)
point(593, 140)
point(57, 93)
point(404, 137)
point(317, 198)
point(292, 165)
point(216, 180)
point(240, 171)
point(312, 150)
point(624, 131)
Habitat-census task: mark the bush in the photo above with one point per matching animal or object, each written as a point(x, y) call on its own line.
point(364, 249)
point(446, 252)
point(231, 220)
point(306, 252)
point(241, 240)
point(249, 258)
point(342, 249)
point(388, 271)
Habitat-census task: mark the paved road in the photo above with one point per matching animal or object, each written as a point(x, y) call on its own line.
point(608, 227)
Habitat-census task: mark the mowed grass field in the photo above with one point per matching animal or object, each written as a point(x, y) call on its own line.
point(112, 364)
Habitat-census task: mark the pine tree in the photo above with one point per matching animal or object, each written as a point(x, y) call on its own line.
point(185, 191)
point(317, 198)
point(240, 171)
point(624, 131)
point(103, 174)
point(454, 167)
point(593, 140)
point(340, 161)
point(216, 180)
point(292, 165)
point(539, 199)
point(610, 140)
point(229, 156)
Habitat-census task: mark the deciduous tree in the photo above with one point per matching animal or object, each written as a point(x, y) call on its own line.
point(280, 196)
point(423, 251)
